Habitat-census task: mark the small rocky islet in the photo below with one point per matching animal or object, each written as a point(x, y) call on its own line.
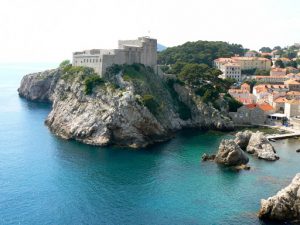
point(135, 112)
point(231, 152)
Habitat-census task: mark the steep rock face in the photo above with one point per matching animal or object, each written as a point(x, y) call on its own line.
point(285, 205)
point(259, 145)
point(230, 154)
point(39, 86)
point(110, 115)
point(203, 115)
point(242, 138)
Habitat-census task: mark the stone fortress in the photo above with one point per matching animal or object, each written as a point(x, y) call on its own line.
point(143, 50)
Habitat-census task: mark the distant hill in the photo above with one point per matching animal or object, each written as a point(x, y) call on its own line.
point(160, 47)
point(199, 52)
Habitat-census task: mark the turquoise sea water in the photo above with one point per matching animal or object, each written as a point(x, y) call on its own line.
point(46, 180)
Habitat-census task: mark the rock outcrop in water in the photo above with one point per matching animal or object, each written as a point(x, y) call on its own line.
point(257, 144)
point(242, 138)
point(260, 146)
point(285, 205)
point(230, 154)
point(132, 110)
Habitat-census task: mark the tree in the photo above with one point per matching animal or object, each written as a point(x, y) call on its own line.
point(64, 63)
point(195, 74)
point(199, 52)
point(277, 48)
point(279, 63)
point(292, 64)
point(265, 49)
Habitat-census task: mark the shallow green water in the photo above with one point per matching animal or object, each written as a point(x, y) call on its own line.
point(46, 180)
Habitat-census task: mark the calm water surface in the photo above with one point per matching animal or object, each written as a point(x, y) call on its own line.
point(46, 180)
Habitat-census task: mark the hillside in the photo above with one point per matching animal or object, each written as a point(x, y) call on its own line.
point(199, 52)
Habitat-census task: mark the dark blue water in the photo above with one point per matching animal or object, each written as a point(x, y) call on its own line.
point(46, 180)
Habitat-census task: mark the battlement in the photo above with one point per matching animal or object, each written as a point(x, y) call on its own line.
point(143, 50)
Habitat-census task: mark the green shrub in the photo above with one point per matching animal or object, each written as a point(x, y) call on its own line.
point(64, 63)
point(90, 82)
point(232, 103)
point(150, 102)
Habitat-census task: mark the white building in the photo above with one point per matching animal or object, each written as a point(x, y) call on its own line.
point(143, 50)
point(292, 108)
point(231, 70)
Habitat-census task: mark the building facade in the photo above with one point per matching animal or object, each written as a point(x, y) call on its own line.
point(231, 70)
point(245, 63)
point(143, 50)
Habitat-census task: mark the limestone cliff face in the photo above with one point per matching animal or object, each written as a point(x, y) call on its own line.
point(117, 116)
point(285, 205)
point(39, 86)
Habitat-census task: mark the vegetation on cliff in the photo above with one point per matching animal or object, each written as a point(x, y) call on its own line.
point(199, 52)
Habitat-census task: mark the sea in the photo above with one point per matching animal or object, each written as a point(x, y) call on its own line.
point(47, 180)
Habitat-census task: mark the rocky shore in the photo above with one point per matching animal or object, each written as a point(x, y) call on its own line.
point(125, 112)
point(285, 205)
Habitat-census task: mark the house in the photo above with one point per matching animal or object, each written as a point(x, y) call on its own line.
point(278, 72)
point(293, 95)
point(292, 108)
point(291, 69)
point(255, 114)
point(246, 87)
point(285, 60)
point(278, 104)
point(292, 85)
point(250, 54)
point(231, 70)
point(271, 79)
point(242, 96)
point(246, 63)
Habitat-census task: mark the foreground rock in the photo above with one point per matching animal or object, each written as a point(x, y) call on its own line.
point(242, 138)
point(260, 146)
point(135, 113)
point(206, 157)
point(230, 154)
point(285, 205)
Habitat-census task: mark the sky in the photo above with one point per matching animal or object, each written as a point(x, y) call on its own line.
point(50, 30)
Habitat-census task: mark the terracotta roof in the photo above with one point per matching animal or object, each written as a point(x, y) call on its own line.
point(291, 81)
point(265, 107)
point(278, 70)
point(280, 100)
point(293, 102)
point(251, 106)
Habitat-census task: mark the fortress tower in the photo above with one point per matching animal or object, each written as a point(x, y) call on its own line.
point(143, 50)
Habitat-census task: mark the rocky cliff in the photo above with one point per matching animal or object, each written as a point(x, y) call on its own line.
point(132, 107)
point(285, 205)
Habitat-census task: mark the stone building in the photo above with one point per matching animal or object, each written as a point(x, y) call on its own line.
point(255, 114)
point(231, 70)
point(245, 63)
point(292, 108)
point(292, 85)
point(143, 50)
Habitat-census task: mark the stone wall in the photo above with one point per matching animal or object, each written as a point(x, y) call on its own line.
point(143, 50)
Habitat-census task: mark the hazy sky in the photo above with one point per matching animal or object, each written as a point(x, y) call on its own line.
point(50, 30)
